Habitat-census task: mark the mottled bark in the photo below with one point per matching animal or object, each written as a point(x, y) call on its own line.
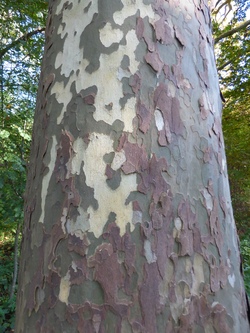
point(128, 220)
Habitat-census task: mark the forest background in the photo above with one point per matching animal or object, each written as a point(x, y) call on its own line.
point(22, 25)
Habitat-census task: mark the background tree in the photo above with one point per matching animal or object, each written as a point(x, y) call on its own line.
point(232, 39)
point(128, 221)
point(233, 52)
point(22, 39)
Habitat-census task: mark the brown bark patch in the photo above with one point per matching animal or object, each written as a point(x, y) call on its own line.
point(144, 117)
point(163, 31)
point(136, 157)
point(149, 297)
point(170, 109)
point(154, 60)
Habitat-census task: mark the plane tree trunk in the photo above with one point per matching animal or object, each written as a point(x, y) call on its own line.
point(128, 219)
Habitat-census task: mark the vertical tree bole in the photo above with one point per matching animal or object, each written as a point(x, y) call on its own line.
point(128, 219)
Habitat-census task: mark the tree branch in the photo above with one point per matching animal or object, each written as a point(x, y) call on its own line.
point(225, 64)
point(19, 40)
point(224, 4)
point(231, 60)
point(15, 272)
point(232, 31)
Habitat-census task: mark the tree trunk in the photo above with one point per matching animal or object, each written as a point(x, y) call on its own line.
point(128, 220)
point(15, 270)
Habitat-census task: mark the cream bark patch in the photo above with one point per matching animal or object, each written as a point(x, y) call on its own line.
point(149, 254)
point(109, 86)
point(108, 35)
point(64, 288)
point(130, 9)
point(73, 25)
point(47, 177)
point(79, 226)
point(198, 274)
point(118, 160)
point(159, 121)
point(108, 200)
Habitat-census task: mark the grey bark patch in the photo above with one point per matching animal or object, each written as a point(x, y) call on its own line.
point(115, 180)
point(90, 39)
point(89, 291)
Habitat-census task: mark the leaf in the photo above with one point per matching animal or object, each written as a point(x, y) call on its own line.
point(4, 134)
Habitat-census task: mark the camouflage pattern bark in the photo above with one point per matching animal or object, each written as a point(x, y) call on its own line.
point(128, 220)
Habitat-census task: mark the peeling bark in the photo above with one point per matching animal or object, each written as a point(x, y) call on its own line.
point(128, 219)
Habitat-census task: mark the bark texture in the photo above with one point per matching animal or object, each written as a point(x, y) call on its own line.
point(128, 220)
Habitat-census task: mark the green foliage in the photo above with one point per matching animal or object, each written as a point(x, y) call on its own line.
point(237, 137)
point(7, 305)
point(245, 252)
point(22, 39)
point(233, 62)
point(13, 155)
point(20, 60)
